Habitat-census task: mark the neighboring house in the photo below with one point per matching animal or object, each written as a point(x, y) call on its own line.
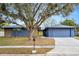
point(77, 31)
point(17, 31)
point(13, 31)
point(1, 33)
point(59, 31)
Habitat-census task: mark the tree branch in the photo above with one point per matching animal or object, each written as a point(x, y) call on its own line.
point(36, 10)
point(41, 21)
point(35, 7)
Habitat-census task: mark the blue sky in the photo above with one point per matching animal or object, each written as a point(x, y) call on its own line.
point(74, 15)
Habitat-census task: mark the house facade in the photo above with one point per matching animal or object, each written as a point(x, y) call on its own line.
point(59, 31)
point(54, 31)
point(10, 31)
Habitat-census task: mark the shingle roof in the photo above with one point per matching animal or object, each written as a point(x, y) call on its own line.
point(60, 26)
point(54, 26)
point(12, 27)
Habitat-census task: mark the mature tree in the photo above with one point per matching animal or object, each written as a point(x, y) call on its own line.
point(34, 14)
point(69, 22)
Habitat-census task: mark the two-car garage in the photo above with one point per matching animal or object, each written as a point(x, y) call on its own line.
point(59, 31)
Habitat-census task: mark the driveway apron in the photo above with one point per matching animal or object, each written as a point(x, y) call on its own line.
point(65, 46)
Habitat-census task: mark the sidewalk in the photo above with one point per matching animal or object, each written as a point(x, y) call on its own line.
point(26, 46)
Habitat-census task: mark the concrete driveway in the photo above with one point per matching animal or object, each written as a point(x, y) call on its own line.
point(65, 47)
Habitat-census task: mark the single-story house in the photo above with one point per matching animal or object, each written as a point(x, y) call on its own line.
point(13, 31)
point(59, 31)
point(77, 31)
point(16, 31)
point(54, 31)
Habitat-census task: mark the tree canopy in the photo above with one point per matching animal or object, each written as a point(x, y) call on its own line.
point(69, 22)
point(33, 14)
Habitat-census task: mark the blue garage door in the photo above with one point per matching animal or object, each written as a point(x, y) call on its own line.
point(60, 33)
point(20, 32)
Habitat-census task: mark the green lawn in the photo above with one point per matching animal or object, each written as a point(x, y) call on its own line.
point(19, 41)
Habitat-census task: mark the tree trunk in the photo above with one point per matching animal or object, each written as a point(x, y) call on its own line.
point(30, 35)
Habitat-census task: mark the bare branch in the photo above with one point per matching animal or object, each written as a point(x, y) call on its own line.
point(37, 10)
point(48, 15)
point(35, 7)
